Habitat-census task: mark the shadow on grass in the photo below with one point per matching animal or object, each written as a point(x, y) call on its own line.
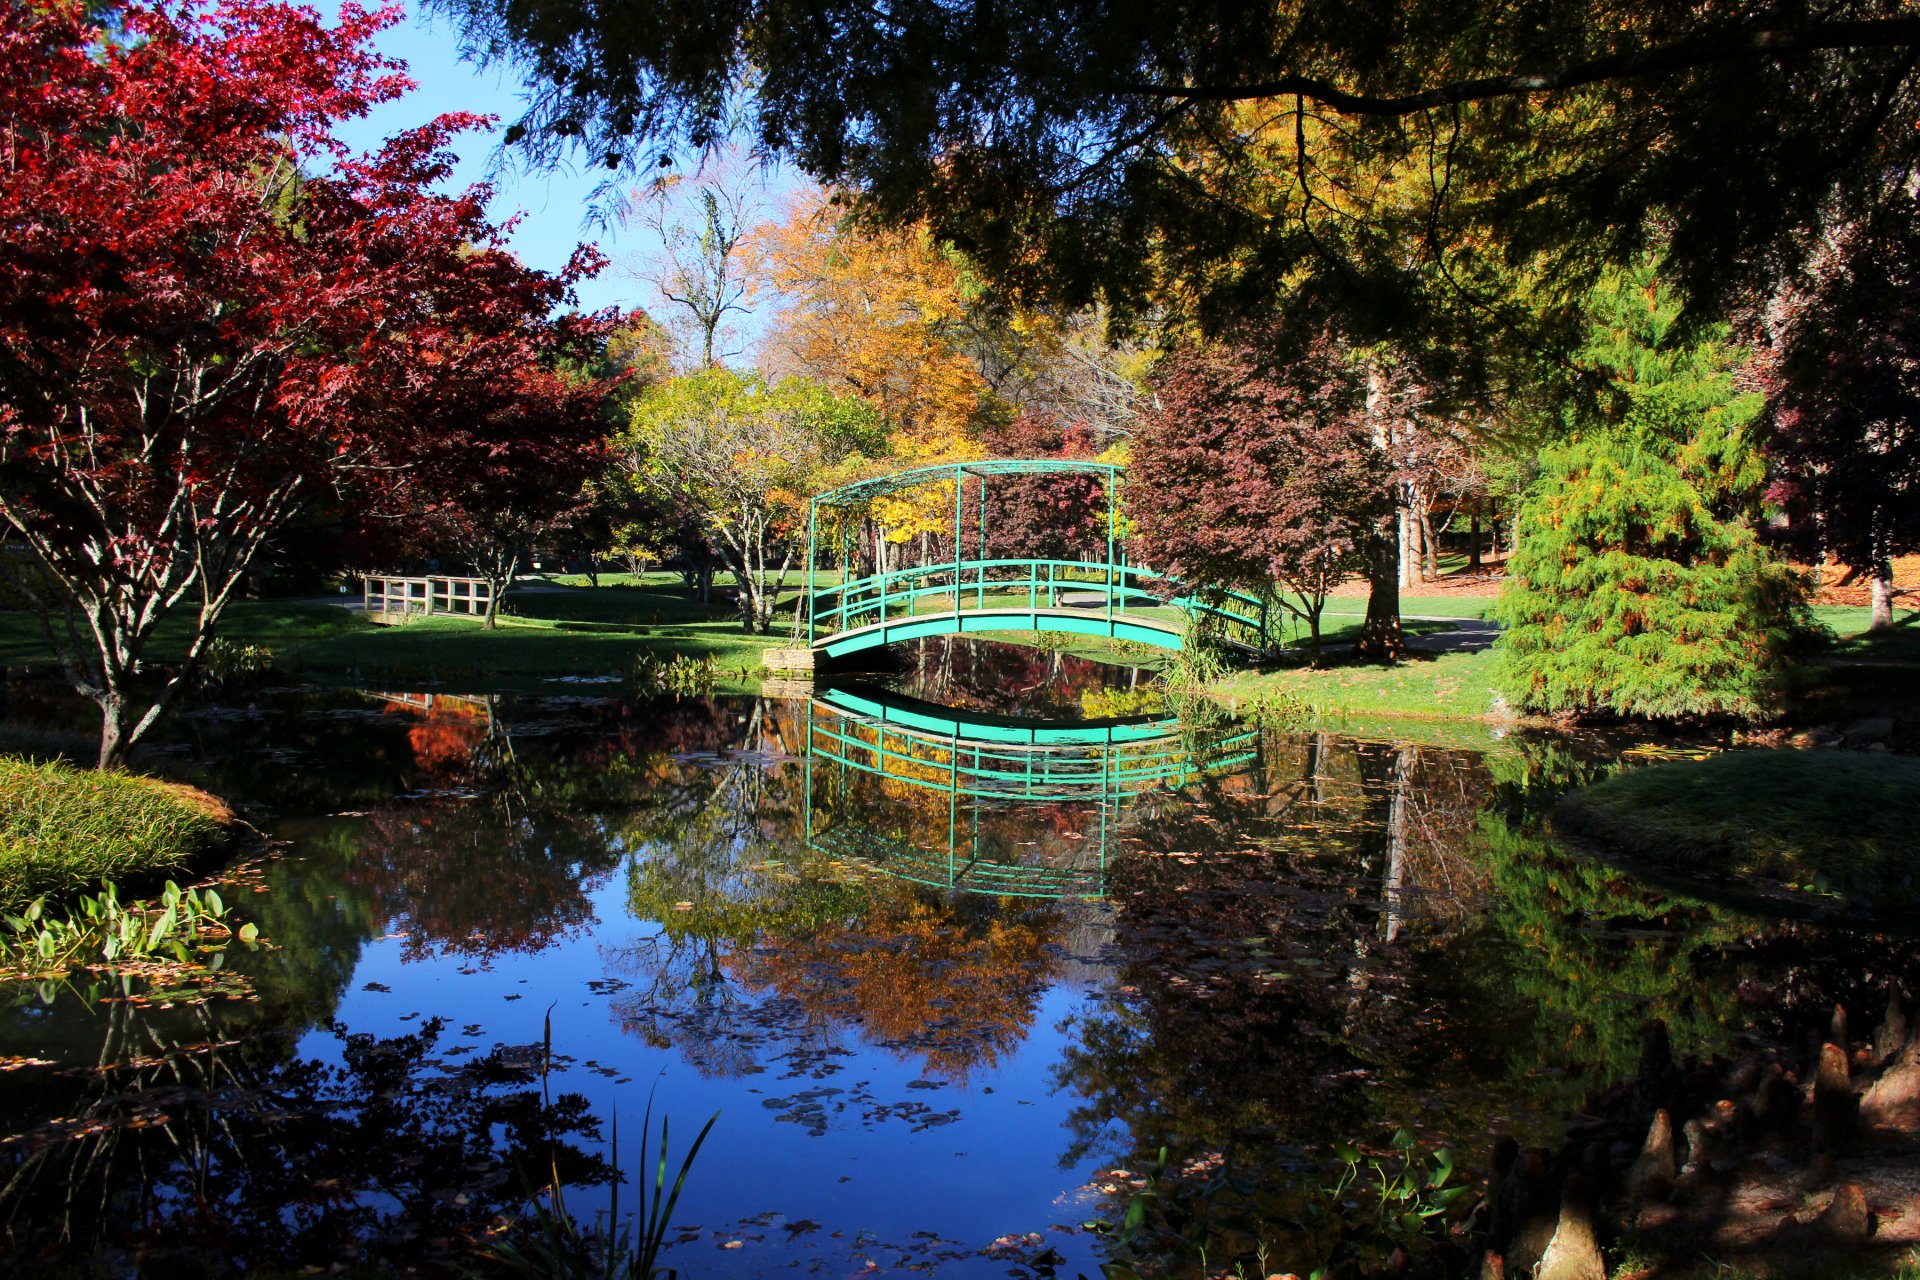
point(1829, 830)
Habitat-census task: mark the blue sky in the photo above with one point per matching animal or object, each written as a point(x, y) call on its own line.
point(556, 205)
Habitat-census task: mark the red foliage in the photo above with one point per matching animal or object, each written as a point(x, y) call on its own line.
point(507, 473)
point(1057, 517)
point(1845, 389)
point(210, 312)
point(1250, 472)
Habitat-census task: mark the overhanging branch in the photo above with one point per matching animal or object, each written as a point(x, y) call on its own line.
point(1682, 55)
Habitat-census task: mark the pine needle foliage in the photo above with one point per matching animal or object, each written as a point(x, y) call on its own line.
point(1640, 587)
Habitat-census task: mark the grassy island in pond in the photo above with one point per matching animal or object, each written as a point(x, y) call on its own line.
point(1838, 822)
point(64, 830)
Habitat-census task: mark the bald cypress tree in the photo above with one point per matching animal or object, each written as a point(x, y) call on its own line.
point(1640, 586)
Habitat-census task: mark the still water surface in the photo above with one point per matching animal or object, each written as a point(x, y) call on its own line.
point(947, 979)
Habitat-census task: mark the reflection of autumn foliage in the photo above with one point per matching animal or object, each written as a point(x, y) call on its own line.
point(917, 978)
point(505, 870)
point(477, 878)
point(448, 733)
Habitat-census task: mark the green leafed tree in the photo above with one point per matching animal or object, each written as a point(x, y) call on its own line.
point(733, 459)
point(1639, 586)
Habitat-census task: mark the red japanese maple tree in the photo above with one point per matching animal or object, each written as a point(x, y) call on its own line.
point(210, 313)
point(1260, 473)
point(512, 473)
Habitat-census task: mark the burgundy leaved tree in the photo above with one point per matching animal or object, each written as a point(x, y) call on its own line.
point(1260, 476)
point(210, 313)
point(1054, 517)
point(1845, 394)
point(509, 470)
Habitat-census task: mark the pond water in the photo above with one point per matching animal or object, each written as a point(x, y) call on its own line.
point(952, 954)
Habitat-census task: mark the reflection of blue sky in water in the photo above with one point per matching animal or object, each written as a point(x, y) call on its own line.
point(1313, 943)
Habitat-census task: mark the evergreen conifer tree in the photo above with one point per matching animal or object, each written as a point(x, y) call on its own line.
point(1639, 586)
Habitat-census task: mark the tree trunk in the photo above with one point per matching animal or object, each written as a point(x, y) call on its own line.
point(1473, 540)
point(1882, 588)
point(113, 732)
point(1429, 559)
point(1403, 536)
point(1413, 543)
point(1381, 639)
point(497, 583)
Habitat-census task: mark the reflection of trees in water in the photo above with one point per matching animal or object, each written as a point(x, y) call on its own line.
point(204, 1154)
point(536, 806)
point(1357, 937)
point(1603, 951)
point(1271, 925)
point(954, 981)
point(503, 865)
point(1008, 679)
point(763, 950)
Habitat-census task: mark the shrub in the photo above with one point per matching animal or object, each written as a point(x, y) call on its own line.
point(1639, 587)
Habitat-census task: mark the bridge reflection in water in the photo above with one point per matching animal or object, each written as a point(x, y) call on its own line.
point(1030, 809)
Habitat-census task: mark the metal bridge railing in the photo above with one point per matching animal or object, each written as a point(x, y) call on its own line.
point(976, 586)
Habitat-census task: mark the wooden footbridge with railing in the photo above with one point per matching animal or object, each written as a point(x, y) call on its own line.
point(976, 592)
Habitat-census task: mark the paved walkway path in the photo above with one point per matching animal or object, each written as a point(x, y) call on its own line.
point(1469, 635)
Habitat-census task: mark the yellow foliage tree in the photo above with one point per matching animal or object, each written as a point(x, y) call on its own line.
point(878, 315)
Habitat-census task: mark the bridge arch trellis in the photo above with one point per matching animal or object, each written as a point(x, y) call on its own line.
point(1113, 597)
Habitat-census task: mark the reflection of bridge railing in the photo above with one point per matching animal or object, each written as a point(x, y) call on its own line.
point(962, 867)
point(1093, 766)
point(1093, 760)
point(973, 591)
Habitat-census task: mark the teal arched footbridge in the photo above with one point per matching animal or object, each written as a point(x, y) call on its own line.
point(971, 591)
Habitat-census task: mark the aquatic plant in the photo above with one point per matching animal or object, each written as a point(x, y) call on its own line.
point(554, 1246)
point(227, 665)
point(680, 674)
point(1378, 1202)
point(100, 928)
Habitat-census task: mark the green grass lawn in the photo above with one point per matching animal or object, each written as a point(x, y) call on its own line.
point(1453, 686)
point(542, 635)
point(1461, 685)
point(1836, 822)
point(65, 830)
point(589, 631)
point(1897, 643)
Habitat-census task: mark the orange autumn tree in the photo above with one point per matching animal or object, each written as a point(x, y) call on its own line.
point(877, 315)
point(881, 316)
